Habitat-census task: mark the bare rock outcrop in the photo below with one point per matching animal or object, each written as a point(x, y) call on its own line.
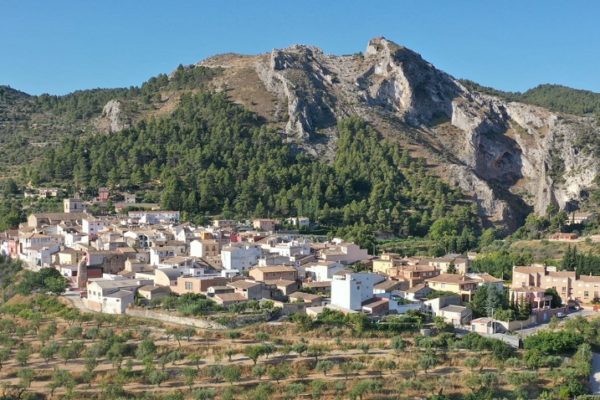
point(303, 85)
point(114, 117)
point(399, 79)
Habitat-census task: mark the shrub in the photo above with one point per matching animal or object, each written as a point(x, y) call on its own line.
point(554, 342)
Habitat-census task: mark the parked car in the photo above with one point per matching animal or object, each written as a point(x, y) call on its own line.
point(560, 315)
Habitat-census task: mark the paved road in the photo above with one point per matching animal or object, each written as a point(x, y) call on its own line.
point(595, 377)
point(530, 331)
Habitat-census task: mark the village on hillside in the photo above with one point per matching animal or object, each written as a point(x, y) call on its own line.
point(137, 260)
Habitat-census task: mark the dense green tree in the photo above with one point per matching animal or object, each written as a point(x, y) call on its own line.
point(204, 394)
point(582, 264)
point(253, 352)
point(49, 351)
point(279, 372)
point(428, 360)
point(398, 344)
point(46, 279)
point(231, 373)
point(324, 366)
point(553, 342)
point(363, 387)
point(62, 378)
point(488, 299)
point(556, 301)
point(26, 376)
point(317, 387)
point(500, 263)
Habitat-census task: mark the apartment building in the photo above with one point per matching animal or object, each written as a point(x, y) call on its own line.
point(569, 287)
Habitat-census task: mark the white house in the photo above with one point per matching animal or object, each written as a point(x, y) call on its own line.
point(75, 237)
point(300, 222)
point(39, 256)
point(289, 249)
point(456, 315)
point(204, 248)
point(322, 271)
point(486, 279)
point(350, 289)
point(343, 252)
point(240, 257)
point(92, 225)
point(36, 239)
point(182, 233)
point(155, 217)
point(112, 296)
point(158, 254)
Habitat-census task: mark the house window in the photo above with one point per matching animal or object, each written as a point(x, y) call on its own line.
point(188, 286)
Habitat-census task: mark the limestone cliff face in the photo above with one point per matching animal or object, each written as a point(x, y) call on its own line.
point(113, 119)
point(511, 157)
point(400, 80)
point(303, 84)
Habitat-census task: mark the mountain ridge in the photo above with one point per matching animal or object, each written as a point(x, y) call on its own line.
point(503, 152)
point(512, 157)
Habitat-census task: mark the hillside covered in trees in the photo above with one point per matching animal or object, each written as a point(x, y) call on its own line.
point(213, 157)
point(33, 123)
point(556, 98)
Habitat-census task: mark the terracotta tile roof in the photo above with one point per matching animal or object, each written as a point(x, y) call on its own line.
point(276, 268)
point(387, 285)
point(529, 269)
point(562, 274)
point(416, 288)
point(375, 302)
point(316, 285)
point(451, 278)
point(243, 284)
point(230, 297)
point(307, 297)
point(486, 278)
point(280, 282)
point(590, 278)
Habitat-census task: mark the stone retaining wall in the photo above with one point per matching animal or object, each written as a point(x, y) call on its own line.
point(174, 319)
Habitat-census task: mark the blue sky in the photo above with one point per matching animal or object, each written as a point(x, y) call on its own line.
point(59, 46)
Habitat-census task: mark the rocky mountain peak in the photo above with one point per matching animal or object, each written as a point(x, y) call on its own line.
point(510, 157)
point(401, 80)
point(294, 56)
point(381, 46)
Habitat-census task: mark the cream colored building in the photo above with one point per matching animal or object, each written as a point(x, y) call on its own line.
point(459, 284)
